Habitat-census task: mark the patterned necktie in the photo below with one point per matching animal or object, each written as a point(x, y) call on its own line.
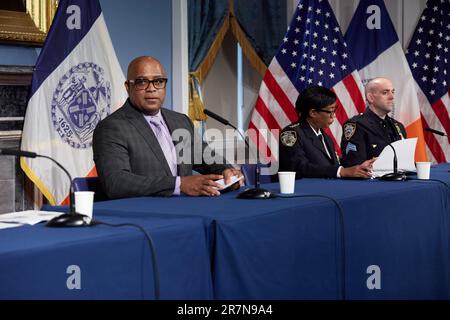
point(165, 141)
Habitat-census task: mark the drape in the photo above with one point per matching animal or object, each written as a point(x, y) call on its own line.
point(258, 25)
point(208, 23)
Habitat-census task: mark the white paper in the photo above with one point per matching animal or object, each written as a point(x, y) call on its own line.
point(405, 150)
point(234, 179)
point(31, 217)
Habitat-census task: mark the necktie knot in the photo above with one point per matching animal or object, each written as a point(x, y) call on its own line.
point(156, 121)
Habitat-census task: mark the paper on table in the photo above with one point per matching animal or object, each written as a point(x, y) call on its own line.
point(17, 219)
point(234, 179)
point(405, 149)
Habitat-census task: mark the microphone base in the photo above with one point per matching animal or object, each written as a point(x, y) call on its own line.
point(255, 193)
point(69, 220)
point(394, 176)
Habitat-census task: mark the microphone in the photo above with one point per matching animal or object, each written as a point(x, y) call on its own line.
point(253, 193)
point(18, 153)
point(395, 175)
point(71, 219)
point(436, 132)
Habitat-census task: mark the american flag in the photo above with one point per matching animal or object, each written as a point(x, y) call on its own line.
point(313, 52)
point(427, 55)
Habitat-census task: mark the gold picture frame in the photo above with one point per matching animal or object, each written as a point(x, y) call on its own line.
point(28, 28)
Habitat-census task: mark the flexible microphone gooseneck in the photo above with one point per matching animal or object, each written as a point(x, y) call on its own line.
point(71, 219)
point(436, 132)
point(253, 193)
point(393, 176)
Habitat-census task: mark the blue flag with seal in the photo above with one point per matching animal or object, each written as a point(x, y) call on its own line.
point(76, 83)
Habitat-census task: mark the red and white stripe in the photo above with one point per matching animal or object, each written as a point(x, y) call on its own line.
point(436, 116)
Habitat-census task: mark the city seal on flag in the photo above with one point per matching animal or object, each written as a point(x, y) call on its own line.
point(81, 99)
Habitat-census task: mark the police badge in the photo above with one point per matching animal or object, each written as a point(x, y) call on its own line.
point(81, 99)
point(349, 130)
point(288, 138)
point(399, 130)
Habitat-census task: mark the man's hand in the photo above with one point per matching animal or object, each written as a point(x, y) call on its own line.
point(201, 185)
point(229, 173)
point(363, 170)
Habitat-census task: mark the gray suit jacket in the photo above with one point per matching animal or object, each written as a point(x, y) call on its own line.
point(129, 159)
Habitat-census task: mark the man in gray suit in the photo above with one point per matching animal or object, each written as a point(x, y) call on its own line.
point(133, 149)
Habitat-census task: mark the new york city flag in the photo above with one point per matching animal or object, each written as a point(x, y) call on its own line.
point(76, 83)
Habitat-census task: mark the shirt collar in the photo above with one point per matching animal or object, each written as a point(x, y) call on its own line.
point(157, 116)
point(318, 133)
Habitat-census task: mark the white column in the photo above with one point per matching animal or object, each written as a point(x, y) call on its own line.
point(180, 63)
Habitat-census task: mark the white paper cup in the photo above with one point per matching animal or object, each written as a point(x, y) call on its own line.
point(423, 170)
point(84, 202)
point(287, 181)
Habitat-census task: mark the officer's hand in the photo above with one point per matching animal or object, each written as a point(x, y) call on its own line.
point(229, 173)
point(363, 170)
point(201, 185)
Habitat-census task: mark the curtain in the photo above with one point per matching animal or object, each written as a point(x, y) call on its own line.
point(208, 23)
point(259, 26)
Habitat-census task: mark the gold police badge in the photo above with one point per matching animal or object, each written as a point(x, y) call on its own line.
point(288, 138)
point(399, 130)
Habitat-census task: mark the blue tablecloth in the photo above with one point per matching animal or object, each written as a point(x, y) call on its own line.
point(290, 248)
point(114, 263)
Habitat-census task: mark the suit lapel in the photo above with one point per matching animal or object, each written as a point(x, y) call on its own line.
point(316, 141)
point(330, 147)
point(173, 125)
point(137, 120)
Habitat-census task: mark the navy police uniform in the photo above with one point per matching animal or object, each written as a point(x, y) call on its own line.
point(302, 151)
point(365, 136)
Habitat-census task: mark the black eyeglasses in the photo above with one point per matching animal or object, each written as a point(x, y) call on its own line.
point(142, 83)
point(331, 113)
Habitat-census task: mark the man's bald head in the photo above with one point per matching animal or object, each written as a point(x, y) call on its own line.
point(374, 83)
point(147, 70)
point(137, 62)
point(380, 96)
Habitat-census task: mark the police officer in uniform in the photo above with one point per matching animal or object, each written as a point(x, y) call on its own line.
point(306, 149)
point(365, 135)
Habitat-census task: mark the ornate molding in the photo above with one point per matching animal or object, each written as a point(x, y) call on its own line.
point(29, 28)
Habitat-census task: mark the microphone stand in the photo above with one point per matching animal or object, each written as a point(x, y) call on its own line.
point(396, 175)
point(257, 192)
point(392, 176)
point(71, 219)
point(253, 193)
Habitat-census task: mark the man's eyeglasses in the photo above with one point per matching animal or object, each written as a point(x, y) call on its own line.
point(331, 113)
point(142, 83)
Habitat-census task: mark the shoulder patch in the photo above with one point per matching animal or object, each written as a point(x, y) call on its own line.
point(350, 147)
point(288, 138)
point(349, 130)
